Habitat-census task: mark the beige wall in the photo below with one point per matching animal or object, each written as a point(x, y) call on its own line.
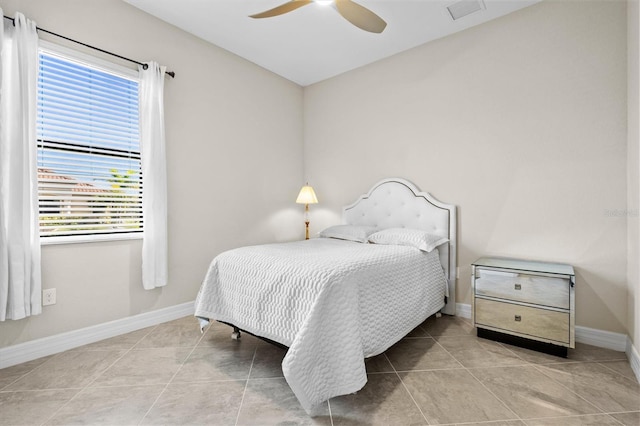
point(633, 175)
point(521, 122)
point(234, 151)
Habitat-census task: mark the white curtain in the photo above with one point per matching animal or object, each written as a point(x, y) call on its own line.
point(20, 277)
point(154, 175)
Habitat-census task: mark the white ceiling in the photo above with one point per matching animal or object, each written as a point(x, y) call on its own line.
point(314, 42)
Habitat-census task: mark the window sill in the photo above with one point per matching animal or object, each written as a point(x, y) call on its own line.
point(74, 239)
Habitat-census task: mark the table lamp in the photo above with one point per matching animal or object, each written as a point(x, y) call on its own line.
point(306, 196)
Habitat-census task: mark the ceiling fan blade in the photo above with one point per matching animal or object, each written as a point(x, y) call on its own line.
point(282, 9)
point(360, 16)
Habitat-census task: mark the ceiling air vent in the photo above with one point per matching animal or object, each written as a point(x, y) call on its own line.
point(463, 8)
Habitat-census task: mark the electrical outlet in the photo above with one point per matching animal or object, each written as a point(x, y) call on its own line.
point(48, 296)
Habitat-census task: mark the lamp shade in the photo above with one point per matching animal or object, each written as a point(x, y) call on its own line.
point(307, 196)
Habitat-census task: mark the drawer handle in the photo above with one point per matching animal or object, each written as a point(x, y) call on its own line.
point(518, 287)
point(518, 318)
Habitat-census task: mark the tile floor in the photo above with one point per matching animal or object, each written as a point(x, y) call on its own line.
point(440, 374)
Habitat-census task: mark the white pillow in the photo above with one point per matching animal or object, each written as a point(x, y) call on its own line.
point(408, 237)
point(356, 233)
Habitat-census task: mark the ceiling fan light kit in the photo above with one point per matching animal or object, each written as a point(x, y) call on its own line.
point(357, 15)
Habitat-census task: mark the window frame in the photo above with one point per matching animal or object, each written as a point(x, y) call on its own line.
point(109, 67)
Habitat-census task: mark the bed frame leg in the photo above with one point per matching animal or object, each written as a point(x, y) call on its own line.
point(236, 334)
point(438, 314)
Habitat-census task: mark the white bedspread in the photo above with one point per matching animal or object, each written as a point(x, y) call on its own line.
point(332, 302)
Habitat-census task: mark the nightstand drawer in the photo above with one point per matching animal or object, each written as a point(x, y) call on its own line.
point(534, 289)
point(535, 322)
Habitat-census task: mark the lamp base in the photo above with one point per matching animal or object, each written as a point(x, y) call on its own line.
point(306, 230)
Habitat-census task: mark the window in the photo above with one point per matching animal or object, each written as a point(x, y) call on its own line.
point(89, 180)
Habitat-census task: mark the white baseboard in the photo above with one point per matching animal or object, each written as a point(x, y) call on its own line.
point(634, 358)
point(601, 338)
point(589, 336)
point(463, 310)
point(23, 352)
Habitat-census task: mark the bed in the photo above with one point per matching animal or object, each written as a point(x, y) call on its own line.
point(345, 296)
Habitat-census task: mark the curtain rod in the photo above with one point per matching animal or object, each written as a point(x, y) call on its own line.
point(171, 74)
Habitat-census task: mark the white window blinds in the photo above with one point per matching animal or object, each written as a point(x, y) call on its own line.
point(89, 179)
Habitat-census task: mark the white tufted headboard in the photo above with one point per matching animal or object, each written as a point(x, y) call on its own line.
point(397, 203)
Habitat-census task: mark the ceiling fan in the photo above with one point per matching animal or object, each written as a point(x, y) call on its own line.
point(358, 15)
